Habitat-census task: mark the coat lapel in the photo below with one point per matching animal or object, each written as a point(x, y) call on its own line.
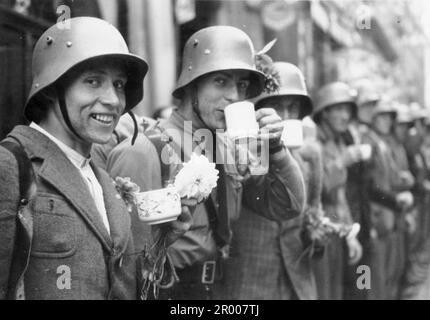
point(119, 219)
point(58, 171)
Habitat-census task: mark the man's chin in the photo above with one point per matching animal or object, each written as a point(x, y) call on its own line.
point(100, 139)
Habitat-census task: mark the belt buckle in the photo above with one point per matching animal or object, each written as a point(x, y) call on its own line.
point(208, 274)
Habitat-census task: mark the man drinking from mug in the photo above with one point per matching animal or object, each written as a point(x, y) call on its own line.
point(218, 70)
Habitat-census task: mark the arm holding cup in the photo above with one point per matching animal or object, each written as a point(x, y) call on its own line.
point(125, 161)
point(279, 194)
point(155, 265)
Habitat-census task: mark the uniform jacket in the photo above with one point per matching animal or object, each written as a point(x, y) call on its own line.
point(69, 237)
point(278, 195)
point(334, 199)
point(380, 175)
point(270, 259)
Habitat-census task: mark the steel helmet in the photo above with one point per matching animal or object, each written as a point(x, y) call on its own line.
point(404, 114)
point(332, 94)
point(292, 83)
point(218, 48)
point(385, 105)
point(59, 49)
point(367, 93)
point(418, 113)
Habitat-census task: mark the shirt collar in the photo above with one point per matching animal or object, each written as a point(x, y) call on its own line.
point(75, 157)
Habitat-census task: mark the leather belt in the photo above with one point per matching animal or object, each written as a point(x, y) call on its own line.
point(205, 273)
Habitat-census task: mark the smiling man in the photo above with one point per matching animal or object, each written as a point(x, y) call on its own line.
point(84, 79)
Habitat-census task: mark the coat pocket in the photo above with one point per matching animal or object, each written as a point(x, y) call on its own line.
point(54, 227)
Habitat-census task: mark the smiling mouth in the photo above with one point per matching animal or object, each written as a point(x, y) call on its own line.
point(103, 118)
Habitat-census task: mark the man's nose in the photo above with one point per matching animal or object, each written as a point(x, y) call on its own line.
point(232, 94)
point(345, 114)
point(110, 96)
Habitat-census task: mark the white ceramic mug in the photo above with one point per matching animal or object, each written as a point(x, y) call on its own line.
point(366, 151)
point(158, 206)
point(292, 136)
point(240, 120)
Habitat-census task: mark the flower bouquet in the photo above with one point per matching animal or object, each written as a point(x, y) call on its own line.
point(320, 228)
point(195, 181)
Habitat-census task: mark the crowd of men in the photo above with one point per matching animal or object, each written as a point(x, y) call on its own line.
point(290, 233)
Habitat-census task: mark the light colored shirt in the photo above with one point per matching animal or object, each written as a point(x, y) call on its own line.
point(84, 168)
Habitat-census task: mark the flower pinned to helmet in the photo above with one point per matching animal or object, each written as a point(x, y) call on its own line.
point(264, 63)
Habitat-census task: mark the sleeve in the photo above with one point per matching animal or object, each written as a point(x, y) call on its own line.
point(280, 194)
point(141, 164)
point(311, 153)
point(9, 197)
point(385, 198)
point(335, 172)
point(374, 189)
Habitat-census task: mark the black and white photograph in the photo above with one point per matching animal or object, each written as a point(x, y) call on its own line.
point(214, 150)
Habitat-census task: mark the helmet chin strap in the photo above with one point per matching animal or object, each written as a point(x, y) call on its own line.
point(63, 108)
point(131, 114)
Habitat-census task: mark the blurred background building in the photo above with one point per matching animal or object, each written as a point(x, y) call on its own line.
point(386, 41)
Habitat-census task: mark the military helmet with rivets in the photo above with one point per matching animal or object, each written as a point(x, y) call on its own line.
point(418, 112)
point(332, 94)
point(292, 83)
point(218, 48)
point(67, 44)
point(367, 92)
point(385, 106)
point(404, 114)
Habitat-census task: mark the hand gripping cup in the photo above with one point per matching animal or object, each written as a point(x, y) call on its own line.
point(242, 128)
point(158, 206)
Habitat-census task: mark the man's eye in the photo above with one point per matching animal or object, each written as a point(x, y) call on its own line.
point(93, 82)
point(119, 84)
point(243, 85)
point(220, 81)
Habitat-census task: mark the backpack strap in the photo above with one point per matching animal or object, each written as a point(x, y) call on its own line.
point(25, 169)
point(24, 225)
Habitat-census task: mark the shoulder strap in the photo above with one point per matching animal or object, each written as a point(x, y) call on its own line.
point(25, 168)
point(24, 231)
